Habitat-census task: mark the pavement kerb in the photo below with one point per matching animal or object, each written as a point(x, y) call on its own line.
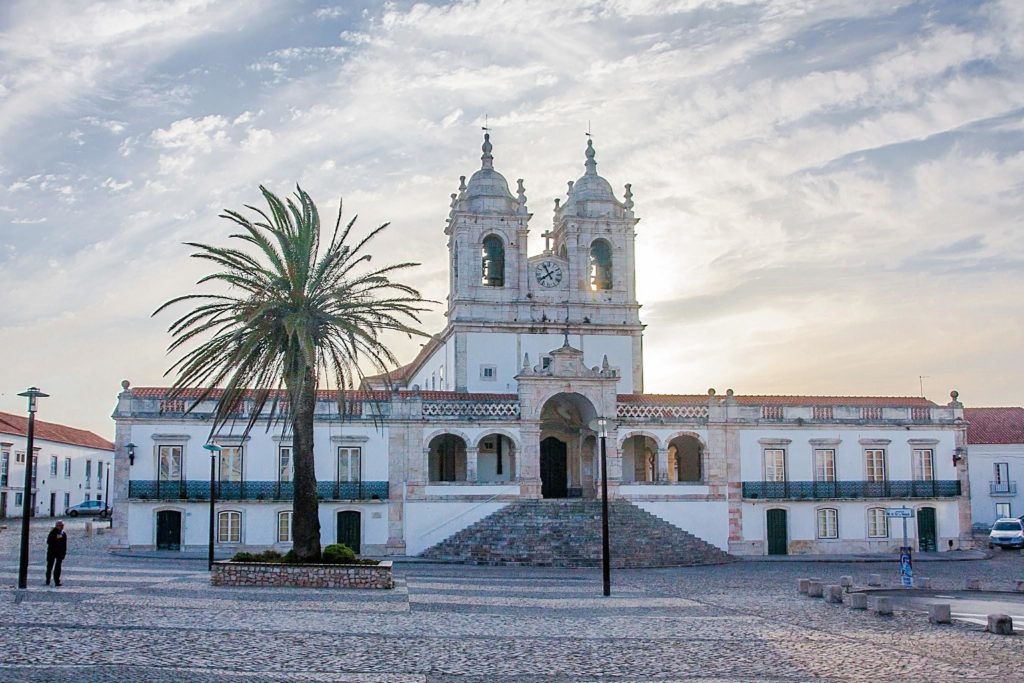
point(952, 556)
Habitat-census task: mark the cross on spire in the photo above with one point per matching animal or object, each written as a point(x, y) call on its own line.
point(485, 128)
point(547, 235)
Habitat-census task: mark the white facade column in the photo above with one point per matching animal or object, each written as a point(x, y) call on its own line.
point(472, 455)
point(662, 457)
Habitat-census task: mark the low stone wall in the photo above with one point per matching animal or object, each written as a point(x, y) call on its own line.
point(259, 574)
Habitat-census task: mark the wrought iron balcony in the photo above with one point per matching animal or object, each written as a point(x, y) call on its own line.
point(827, 490)
point(149, 489)
point(1002, 488)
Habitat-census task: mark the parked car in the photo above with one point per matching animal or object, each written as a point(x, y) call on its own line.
point(1007, 533)
point(89, 507)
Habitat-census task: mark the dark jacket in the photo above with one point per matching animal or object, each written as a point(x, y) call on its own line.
point(57, 543)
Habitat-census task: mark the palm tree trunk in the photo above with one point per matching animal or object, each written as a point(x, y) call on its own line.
point(305, 505)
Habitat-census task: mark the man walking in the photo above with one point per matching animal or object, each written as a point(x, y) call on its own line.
point(56, 549)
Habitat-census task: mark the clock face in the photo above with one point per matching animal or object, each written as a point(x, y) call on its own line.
point(549, 274)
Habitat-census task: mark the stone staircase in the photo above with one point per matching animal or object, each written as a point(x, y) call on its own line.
point(567, 533)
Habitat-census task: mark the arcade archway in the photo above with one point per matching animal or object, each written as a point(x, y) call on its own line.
point(567, 453)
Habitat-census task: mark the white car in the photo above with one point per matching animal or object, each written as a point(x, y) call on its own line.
point(1007, 533)
point(89, 507)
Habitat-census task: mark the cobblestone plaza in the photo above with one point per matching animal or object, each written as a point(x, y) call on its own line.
point(138, 619)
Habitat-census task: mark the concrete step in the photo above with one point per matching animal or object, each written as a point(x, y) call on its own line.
point(567, 533)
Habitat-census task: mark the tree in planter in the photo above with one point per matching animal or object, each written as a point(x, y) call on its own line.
point(292, 313)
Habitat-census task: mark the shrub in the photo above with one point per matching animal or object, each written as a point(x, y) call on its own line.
point(291, 557)
point(338, 553)
point(267, 557)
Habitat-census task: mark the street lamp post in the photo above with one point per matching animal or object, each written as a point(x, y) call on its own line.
point(600, 425)
point(214, 450)
point(32, 394)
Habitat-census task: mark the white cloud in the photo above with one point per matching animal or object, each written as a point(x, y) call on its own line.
point(115, 186)
point(789, 161)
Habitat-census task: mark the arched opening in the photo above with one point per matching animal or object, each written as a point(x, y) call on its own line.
point(565, 451)
point(493, 262)
point(685, 459)
point(447, 458)
point(640, 459)
point(600, 266)
point(495, 460)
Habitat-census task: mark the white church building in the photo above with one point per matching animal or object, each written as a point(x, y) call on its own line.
point(491, 424)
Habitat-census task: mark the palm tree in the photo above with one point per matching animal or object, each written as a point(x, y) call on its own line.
point(285, 319)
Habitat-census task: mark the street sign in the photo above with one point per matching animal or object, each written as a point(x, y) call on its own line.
point(906, 513)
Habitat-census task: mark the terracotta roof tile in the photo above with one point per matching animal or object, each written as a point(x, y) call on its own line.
point(753, 400)
point(51, 431)
point(329, 394)
point(995, 425)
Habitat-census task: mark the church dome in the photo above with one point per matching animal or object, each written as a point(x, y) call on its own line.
point(487, 190)
point(592, 195)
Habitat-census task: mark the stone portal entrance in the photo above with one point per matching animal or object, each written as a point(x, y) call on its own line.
point(554, 479)
point(567, 465)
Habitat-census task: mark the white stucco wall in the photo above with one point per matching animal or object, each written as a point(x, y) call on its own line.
point(428, 523)
point(260, 450)
point(708, 521)
point(981, 462)
point(75, 486)
point(850, 461)
point(801, 518)
point(259, 523)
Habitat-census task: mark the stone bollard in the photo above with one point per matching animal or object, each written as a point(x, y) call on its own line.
point(834, 594)
point(939, 613)
point(1000, 624)
point(922, 582)
point(88, 528)
point(846, 581)
point(974, 584)
point(801, 585)
point(883, 606)
point(814, 589)
point(1018, 585)
point(858, 601)
point(874, 579)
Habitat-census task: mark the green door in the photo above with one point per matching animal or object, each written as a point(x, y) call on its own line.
point(926, 536)
point(168, 530)
point(348, 529)
point(778, 540)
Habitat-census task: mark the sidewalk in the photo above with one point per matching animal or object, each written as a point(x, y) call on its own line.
point(951, 556)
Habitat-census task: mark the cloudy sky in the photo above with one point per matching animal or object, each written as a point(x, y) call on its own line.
point(831, 192)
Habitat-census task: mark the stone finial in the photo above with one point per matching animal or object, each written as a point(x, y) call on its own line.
point(486, 159)
point(711, 391)
point(521, 194)
point(526, 361)
point(955, 402)
point(455, 198)
point(730, 392)
point(604, 363)
point(628, 197)
point(557, 202)
point(570, 184)
point(591, 164)
point(462, 183)
point(125, 385)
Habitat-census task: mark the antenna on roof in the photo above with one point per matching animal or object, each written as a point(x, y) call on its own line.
point(920, 382)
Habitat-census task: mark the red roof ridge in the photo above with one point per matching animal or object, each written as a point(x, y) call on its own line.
point(11, 423)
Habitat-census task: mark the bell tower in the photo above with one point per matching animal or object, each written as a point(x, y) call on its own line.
point(596, 234)
point(487, 231)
